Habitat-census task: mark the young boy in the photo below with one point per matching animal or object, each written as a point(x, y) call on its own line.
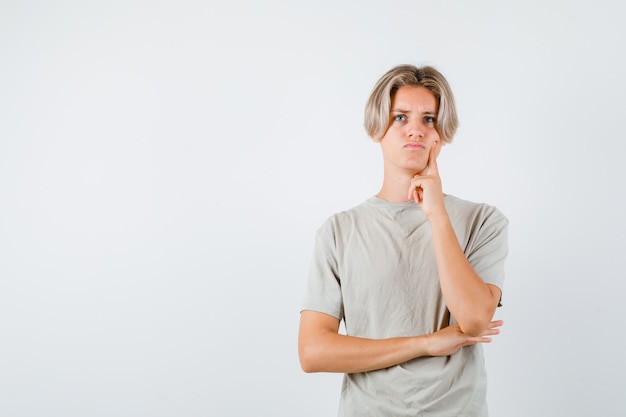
point(415, 274)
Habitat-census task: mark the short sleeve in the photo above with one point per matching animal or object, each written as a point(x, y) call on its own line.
point(488, 246)
point(323, 291)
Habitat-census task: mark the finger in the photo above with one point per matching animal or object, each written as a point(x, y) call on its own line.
point(496, 323)
point(416, 196)
point(490, 332)
point(413, 187)
point(475, 340)
point(433, 169)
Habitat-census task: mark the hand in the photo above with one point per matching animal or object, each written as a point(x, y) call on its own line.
point(425, 187)
point(451, 339)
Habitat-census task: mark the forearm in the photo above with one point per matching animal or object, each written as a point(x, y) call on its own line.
point(348, 354)
point(322, 349)
point(468, 298)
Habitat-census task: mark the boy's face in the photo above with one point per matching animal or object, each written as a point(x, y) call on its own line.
point(411, 132)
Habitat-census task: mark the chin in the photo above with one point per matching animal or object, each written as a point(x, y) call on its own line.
point(415, 168)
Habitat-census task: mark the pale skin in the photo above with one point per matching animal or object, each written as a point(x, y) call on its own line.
point(410, 148)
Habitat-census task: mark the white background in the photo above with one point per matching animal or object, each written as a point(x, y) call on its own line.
point(164, 166)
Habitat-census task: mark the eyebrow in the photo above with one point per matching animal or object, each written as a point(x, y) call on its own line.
point(427, 112)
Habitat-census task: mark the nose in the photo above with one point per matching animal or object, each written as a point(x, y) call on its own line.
point(415, 130)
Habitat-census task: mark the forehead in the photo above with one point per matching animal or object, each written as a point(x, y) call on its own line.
point(414, 97)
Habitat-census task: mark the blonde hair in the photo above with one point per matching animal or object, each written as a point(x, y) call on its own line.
point(379, 103)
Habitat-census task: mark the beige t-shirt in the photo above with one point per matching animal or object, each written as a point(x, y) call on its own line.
point(374, 267)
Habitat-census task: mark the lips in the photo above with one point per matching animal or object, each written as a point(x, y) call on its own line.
point(415, 145)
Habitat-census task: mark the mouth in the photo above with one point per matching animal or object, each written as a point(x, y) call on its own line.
point(415, 145)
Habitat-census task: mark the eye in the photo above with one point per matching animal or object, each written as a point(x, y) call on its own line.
point(399, 118)
point(429, 119)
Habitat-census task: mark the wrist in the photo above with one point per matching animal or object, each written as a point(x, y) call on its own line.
point(422, 345)
point(438, 217)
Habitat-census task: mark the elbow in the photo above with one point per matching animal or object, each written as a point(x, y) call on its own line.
point(308, 363)
point(472, 329)
point(307, 367)
point(474, 323)
point(475, 326)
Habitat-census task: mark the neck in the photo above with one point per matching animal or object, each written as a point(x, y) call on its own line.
point(395, 186)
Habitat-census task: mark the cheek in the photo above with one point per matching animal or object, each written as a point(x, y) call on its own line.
point(440, 144)
point(435, 136)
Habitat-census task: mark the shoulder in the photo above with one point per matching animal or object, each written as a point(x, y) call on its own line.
point(347, 217)
point(459, 209)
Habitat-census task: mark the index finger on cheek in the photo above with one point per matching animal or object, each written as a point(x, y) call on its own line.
point(432, 158)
